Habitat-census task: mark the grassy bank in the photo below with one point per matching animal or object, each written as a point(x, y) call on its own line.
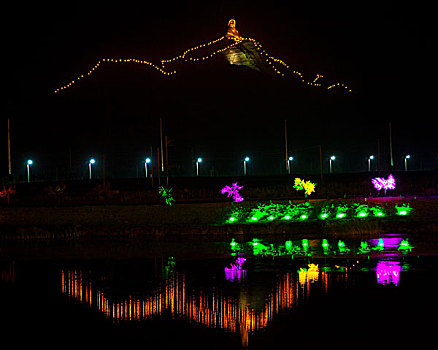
point(205, 219)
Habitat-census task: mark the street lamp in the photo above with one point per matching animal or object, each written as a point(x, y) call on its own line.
point(369, 162)
point(332, 158)
point(29, 163)
point(406, 161)
point(146, 162)
point(199, 160)
point(290, 159)
point(90, 163)
point(244, 165)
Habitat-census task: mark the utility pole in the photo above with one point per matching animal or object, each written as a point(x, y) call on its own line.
point(70, 162)
point(152, 168)
point(9, 148)
point(104, 173)
point(158, 167)
point(390, 146)
point(320, 161)
point(167, 163)
point(161, 141)
point(378, 155)
point(285, 146)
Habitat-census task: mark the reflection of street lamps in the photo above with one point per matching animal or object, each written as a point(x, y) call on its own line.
point(29, 163)
point(290, 159)
point(146, 162)
point(244, 165)
point(332, 158)
point(199, 160)
point(369, 162)
point(90, 163)
point(406, 161)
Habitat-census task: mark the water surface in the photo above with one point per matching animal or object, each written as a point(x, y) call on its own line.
point(375, 293)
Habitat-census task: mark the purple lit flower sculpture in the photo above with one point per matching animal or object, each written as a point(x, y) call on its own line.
point(233, 191)
point(385, 184)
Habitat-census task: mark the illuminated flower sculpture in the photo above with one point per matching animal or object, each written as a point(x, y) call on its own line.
point(233, 191)
point(385, 184)
point(165, 193)
point(307, 186)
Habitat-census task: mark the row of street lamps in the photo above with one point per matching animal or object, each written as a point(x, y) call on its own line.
point(199, 161)
point(29, 162)
point(289, 160)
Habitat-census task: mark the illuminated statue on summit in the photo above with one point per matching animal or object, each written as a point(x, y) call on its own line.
point(242, 53)
point(232, 32)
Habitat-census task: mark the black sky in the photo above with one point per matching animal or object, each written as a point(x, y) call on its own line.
point(383, 51)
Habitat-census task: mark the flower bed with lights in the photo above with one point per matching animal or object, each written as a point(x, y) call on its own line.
point(322, 210)
point(242, 213)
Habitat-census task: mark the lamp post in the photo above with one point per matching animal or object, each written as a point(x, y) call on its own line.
point(244, 165)
point(146, 162)
point(28, 164)
point(332, 158)
point(90, 163)
point(290, 159)
point(199, 160)
point(369, 162)
point(408, 156)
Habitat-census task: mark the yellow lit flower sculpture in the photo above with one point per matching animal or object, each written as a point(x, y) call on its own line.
point(307, 186)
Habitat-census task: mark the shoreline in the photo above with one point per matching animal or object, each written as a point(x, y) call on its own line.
point(203, 219)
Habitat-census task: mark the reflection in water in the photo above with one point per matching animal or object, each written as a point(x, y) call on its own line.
point(388, 272)
point(212, 309)
point(243, 312)
point(7, 273)
point(390, 245)
point(235, 275)
point(306, 276)
point(235, 271)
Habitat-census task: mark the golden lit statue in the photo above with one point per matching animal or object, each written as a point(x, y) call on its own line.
point(242, 52)
point(232, 32)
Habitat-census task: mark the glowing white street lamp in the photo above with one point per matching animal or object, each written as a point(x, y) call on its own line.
point(332, 158)
point(369, 162)
point(146, 162)
point(90, 163)
point(28, 164)
point(199, 160)
point(244, 165)
point(408, 156)
point(290, 159)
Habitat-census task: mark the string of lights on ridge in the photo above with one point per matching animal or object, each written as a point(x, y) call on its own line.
point(277, 65)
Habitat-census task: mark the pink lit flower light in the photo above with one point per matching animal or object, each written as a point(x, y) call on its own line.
point(385, 184)
point(233, 191)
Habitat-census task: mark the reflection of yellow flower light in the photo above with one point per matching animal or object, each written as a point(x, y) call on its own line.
point(308, 275)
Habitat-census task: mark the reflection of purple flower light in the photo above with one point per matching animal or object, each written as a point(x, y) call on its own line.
point(388, 272)
point(238, 275)
point(387, 242)
point(235, 270)
point(237, 265)
point(233, 191)
point(385, 184)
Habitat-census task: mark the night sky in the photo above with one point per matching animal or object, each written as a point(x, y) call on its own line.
point(212, 109)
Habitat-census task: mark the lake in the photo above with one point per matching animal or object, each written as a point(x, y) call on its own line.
point(228, 293)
